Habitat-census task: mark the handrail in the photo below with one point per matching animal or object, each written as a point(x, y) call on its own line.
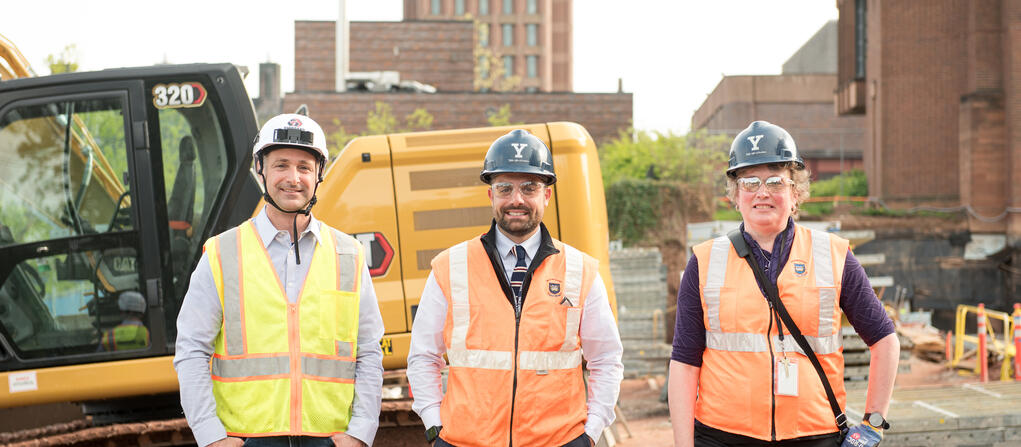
point(1002, 347)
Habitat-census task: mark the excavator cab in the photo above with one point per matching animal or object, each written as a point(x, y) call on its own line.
point(110, 182)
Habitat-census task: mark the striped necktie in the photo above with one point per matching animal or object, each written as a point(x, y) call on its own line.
point(518, 276)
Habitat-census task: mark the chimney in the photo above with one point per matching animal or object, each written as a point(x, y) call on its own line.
point(269, 81)
point(342, 48)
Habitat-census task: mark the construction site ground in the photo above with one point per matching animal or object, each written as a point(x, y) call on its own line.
point(932, 406)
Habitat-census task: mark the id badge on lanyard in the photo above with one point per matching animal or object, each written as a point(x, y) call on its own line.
point(786, 376)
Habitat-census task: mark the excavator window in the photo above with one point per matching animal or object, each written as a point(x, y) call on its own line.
point(67, 228)
point(194, 169)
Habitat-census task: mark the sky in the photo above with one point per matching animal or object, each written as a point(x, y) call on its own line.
point(670, 54)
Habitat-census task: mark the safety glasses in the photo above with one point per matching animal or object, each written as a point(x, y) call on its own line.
point(774, 184)
point(529, 190)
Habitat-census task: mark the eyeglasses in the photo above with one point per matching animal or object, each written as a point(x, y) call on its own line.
point(504, 190)
point(774, 184)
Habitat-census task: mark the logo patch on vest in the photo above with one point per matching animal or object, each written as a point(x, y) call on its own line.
point(800, 267)
point(553, 286)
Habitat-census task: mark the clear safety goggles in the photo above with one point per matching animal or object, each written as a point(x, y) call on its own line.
point(774, 184)
point(529, 190)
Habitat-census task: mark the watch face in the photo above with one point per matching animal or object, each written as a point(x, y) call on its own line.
point(876, 420)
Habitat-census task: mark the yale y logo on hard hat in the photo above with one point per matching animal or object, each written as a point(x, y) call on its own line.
point(518, 147)
point(755, 141)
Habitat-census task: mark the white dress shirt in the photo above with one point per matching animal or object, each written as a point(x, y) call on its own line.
point(200, 318)
point(600, 345)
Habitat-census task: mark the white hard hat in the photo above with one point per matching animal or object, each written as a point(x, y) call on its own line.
point(131, 301)
point(292, 130)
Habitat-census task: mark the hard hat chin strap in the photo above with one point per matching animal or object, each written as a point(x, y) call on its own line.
point(305, 212)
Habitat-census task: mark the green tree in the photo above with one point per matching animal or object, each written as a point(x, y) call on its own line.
point(65, 62)
point(379, 121)
point(656, 182)
point(501, 117)
point(490, 74)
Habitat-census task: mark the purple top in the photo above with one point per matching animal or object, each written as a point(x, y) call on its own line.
point(857, 300)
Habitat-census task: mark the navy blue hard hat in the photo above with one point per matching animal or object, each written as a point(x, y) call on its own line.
point(762, 143)
point(519, 152)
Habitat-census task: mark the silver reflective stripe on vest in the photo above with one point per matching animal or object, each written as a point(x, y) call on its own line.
point(828, 341)
point(569, 356)
point(334, 369)
point(230, 266)
point(260, 366)
point(546, 361)
point(572, 276)
point(458, 354)
point(347, 261)
point(822, 260)
point(821, 345)
point(717, 273)
point(735, 342)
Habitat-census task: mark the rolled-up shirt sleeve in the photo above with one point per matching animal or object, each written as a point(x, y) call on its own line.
point(861, 305)
point(689, 330)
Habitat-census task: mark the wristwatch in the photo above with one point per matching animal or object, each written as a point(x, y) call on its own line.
point(432, 433)
point(876, 420)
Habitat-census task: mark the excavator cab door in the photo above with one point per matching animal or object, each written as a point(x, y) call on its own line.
point(70, 206)
point(110, 182)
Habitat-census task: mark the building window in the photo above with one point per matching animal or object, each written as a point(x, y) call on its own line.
point(483, 7)
point(859, 39)
point(508, 6)
point(533, 69)
point(484, 34)
point(508, 34)
point(508, 66)
point(533, 7)
point(459, 7)
point(435, 7)
point(532, 31)
point(483, 67)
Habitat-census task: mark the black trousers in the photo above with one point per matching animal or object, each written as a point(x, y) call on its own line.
point(710, 437)
point(289, 441)
point(580, 441)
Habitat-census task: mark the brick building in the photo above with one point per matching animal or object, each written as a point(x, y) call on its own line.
point(799, 100)
point(435, 52)
point(531, 37)
point(939, 86)
point(438, 53)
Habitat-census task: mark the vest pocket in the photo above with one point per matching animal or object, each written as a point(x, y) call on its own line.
point(338, 316)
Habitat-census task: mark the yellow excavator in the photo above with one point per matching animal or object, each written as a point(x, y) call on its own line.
point(110, 181)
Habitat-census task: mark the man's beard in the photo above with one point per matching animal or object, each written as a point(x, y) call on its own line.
point(519, 229)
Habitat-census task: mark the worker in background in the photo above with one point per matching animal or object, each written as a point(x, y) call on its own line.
point(736, 377)
point(131, 333)
point(515, 311)
point(293, 329)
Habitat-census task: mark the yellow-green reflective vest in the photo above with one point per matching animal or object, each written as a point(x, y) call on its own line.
point(126, 336)
point(282, 368)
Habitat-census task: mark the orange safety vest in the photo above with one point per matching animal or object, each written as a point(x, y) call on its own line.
point(507, 385)
point(735, 386)
point(282, 368)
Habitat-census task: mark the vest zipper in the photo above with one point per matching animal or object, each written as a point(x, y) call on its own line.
point(514, 388)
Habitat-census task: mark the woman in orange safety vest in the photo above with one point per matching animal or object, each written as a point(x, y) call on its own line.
point(737, 376)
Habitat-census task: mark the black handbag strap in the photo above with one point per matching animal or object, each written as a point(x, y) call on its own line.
point(773, 294)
